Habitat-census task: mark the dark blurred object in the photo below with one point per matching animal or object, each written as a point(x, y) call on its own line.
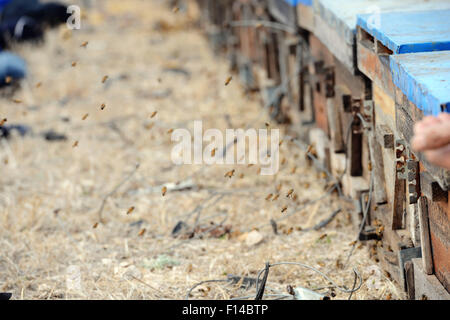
point(12, 67)
point(22, 20)
point(6, 130)
point(20, 30)
point(54, 136)
point(51, 14)
point(5, 296)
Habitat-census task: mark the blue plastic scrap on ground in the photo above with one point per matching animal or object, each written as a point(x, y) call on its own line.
point(424, 78)
point(407, 32)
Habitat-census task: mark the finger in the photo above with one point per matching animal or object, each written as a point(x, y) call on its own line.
point(444, 116)
point(432, 137)
point(439, 157)
point(426, 122)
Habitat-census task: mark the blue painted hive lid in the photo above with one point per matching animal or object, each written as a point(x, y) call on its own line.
point(341, 17)
point(424, 78)
point(408, 32)
point(303, 2)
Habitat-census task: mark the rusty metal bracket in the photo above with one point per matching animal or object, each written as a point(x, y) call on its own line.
point(400, 159)
point(413, 180)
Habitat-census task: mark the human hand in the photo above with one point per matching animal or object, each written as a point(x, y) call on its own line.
point(432, 137)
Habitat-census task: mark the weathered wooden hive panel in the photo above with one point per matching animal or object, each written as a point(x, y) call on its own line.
point(353, 77)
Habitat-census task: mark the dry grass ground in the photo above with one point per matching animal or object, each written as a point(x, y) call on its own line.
point(51, 192)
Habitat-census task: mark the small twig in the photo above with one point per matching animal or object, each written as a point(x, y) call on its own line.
point(202, 282)
point(114, 191)
point(146, 284)
point(325, 222)
point(264, 23)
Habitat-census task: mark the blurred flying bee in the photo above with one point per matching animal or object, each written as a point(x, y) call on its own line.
point(8, 79)
point(276, 197)
point(75, 144)
point(85, 116)
point(141, 233)
point(294, 169)
point(290, 290)
point(267, 125)
point(284, 209)
point(283, 161)
point(258, 171)
point(281, 142)
point(103, 106)
point(353, 243)
point(84, 44)
point(17, 101)
point(95, 225)
point(369, 166)
point(164, 191)
point(241, 176)
point(279, 186)
point(170, 131)
point(38, 85)
point(2, 122)
point(290, 193)
point(130, 210)
point(213, 152)
point(149, 126)
point(175, 9)
point(74, 64)
point(104, 79)
point(269, 196)
point(380, 230)
point(323, 236)
point(250, 165)
point(153, 114)
point(227, 82)
point(230, 174)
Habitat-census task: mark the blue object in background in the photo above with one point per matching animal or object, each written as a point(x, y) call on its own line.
point(408, 32)
point(3, 3)
point(424, 78)
point(11, 66)
point(296, 2)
